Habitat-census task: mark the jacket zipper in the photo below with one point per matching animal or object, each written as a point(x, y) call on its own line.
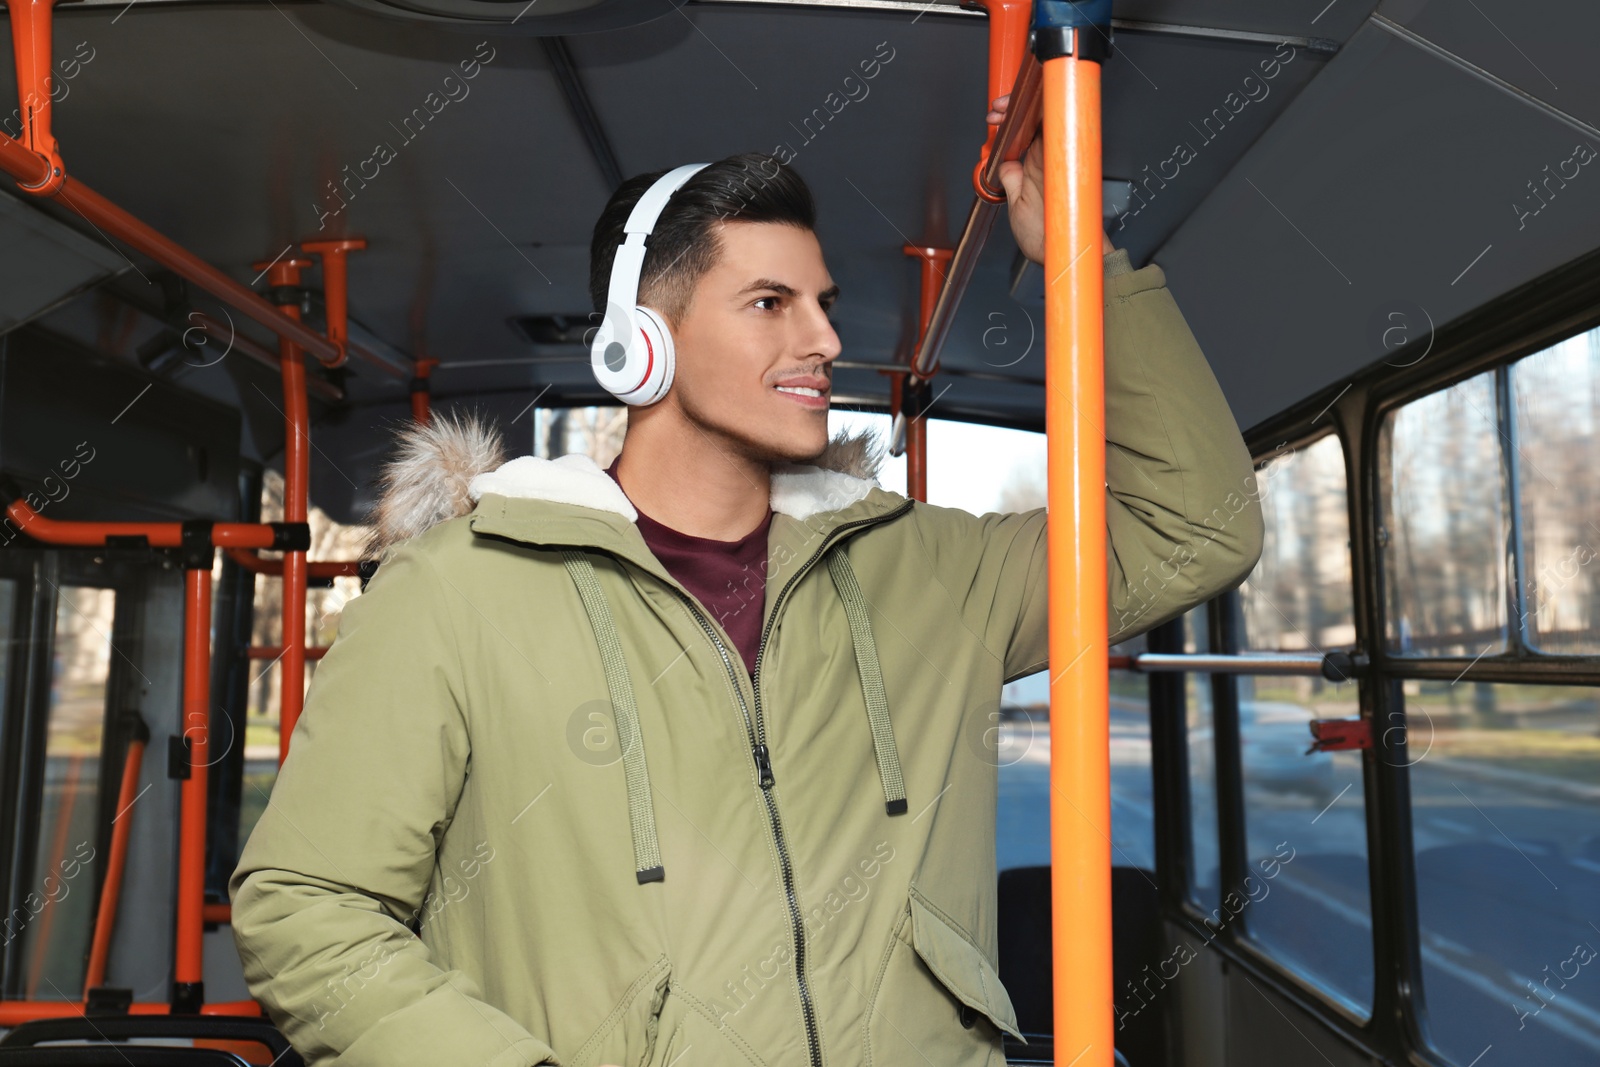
point(755, 730)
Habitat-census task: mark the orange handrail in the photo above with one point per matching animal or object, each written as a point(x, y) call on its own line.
point(1080, 769)
point(16, 1012)
point(421, 391)
point(285, 272)
point(35, 163)
point(931, 278)
point(116, 861)
point(188, 961)
point(273, 652)
point(157, 534)
point(322, 568)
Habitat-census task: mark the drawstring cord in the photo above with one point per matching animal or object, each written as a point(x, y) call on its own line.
point(641, 809)
point(855, 609)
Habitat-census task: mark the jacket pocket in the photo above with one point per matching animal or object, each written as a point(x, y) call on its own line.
point(938, 1000)
point(627, 1035)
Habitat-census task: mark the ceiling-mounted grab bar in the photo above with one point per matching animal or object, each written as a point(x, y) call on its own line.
point(1011, 69)
point(1334, 666)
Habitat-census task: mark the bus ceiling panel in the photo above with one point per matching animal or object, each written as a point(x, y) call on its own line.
point(1393, 193)
point(1179, 114)
point(1545, 48)
point(45, 262)
point(90, 437)
point(240, 130)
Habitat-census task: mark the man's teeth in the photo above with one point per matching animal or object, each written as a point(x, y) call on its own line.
point(800, 390)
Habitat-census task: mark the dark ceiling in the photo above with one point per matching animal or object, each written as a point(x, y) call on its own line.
point(1377, 161)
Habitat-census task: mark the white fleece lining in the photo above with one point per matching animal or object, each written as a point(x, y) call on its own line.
point(797, 491)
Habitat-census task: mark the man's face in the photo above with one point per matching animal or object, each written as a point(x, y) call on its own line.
point(756, 327)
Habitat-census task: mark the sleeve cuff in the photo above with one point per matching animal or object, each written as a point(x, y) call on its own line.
point(1122, 281)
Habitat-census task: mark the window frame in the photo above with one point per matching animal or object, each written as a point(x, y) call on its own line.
point(1518, 324)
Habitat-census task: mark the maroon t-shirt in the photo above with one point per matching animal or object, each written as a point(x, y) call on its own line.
point(728, 577)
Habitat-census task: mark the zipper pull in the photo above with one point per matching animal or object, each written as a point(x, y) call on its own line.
point(764, 765)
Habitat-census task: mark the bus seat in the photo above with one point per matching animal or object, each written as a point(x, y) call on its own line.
point(116, 1055)
point(121, 1028)
point(1025, 964)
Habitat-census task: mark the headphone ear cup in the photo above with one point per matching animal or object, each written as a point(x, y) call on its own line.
point(663, 357)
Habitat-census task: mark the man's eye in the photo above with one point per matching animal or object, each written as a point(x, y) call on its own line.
point(767, 300)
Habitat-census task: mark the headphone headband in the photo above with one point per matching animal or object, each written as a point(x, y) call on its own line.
point(624, 361)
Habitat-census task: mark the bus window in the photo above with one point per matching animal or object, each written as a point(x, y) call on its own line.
point(1557, 401)
point(329, 540)
point(1305, 900)
point(1504, 788)
point(1298, 597)
point(55, 938)
point(1133, 831)
point(1205, 864)
point(1444, 523)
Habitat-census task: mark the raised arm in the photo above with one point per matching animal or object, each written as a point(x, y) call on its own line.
point(1183, 522)
point(337, 868)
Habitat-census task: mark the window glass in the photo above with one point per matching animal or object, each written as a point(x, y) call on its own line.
point(1444, 523)
point(1204, 855)
point(1505, 788)
point(1305, 899)
point(1021, 747)
point(1298, 597)
point(1557, 397)
point(1133, 828)
point(329, 541)
point(55, 911)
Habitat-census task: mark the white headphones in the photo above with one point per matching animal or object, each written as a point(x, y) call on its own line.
point(632, 352)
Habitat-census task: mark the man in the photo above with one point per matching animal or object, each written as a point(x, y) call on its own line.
point(684, 762)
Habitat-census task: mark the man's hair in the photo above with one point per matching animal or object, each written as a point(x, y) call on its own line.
point(750, 187)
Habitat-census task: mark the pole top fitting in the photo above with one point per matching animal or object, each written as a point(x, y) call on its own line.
point(1079, 29)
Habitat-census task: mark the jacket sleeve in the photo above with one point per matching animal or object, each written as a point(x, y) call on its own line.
point(1183, 518)
point(336, 869)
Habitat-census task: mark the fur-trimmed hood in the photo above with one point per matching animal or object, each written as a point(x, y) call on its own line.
point(441, 468)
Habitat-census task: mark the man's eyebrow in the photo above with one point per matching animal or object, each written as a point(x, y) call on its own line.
point(767, 283)
point(827, 296)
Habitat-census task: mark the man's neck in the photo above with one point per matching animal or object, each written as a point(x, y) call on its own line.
point(694, 484)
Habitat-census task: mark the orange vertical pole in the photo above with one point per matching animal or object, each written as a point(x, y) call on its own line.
point(105, 919)
point(1080, 768)
point(421, 395)
point(296, 507)
point(932, 278)
point(188, 968)
point(336, 287)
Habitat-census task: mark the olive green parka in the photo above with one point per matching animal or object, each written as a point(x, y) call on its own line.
point(537, 811)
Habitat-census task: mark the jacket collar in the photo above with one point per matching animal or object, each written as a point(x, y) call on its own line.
point(570, 502)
